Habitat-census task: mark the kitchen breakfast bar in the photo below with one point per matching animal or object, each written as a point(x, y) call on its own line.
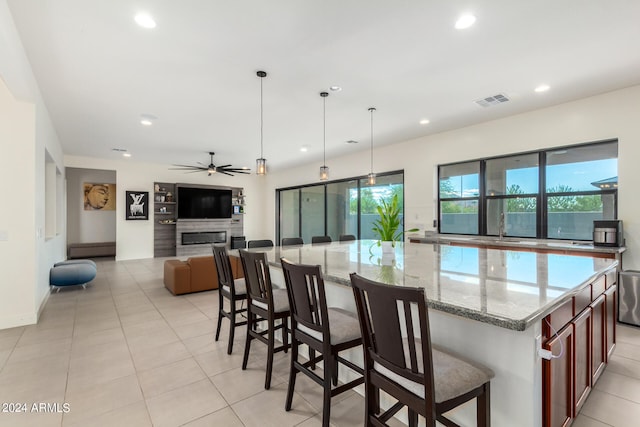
point(496, 307)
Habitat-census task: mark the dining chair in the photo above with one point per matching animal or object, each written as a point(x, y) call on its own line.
point(347, 237)
point(320, 239)
point(229, 289)
point(325, 330)
point(427, 380)
point(291, 241)
point(259, 244)
point(265, 305)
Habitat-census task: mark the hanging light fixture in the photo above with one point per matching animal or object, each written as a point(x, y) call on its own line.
point(261, 163)
point(371, 178)
point(324, 169)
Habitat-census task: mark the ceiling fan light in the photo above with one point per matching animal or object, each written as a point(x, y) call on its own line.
point(324, 173)
point(261, 166)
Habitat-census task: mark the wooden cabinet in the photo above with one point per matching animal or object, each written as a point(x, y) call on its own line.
point(581, 349)
point(164, 214)
point(558, 379)
point(611, 302)
point(581, 359)
point(599, 337)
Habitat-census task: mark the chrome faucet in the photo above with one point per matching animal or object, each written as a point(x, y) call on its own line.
point(501, 226)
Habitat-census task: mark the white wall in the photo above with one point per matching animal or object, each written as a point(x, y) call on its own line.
point(134, 239)
point(26, 134)
point(611, 115)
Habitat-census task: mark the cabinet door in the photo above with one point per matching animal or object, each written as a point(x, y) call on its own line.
point(558, 379)
point(611, 316)
point(582, 358)
point(599, 337)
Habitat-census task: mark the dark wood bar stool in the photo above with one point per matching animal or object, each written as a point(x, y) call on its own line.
point(347, 237)
point(265, 305)
point(327, 331)
point(230, 289)
point(428, 381)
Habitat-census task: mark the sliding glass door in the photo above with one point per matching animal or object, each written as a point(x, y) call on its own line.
point(335, 208)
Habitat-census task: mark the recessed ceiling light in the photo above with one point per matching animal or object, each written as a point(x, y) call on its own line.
point(465, 21)
point(335, 88)
point(542, 88)
point(126, 154)
point(304, 148)
point(119, 150)
point(424, 122)
point(145, 20)
point(147, 119)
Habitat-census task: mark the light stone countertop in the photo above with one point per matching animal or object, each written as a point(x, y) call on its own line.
point(506, 288)
point(520, 242)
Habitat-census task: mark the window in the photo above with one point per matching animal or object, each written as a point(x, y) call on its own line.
point(459, 198)
point(555, 194)
point(339, 207)
point(582, 185)
point(512, 189)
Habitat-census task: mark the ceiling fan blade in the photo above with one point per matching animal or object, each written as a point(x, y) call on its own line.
point(226, 173)
point(223, 166)
point(188, 167)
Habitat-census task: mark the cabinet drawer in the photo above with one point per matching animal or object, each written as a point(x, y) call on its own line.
point(597, 288)
point(557, 319)
point(582, 299)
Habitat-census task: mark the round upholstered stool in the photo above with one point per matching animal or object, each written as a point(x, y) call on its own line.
point(72, 274)
point(76, 261)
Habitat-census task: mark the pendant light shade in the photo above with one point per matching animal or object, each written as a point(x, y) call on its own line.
point(324, 169)
point(371, 178)
point(261, 163)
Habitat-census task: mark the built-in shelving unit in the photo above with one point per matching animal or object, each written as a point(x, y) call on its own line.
point(165, 216)
point(168, 229)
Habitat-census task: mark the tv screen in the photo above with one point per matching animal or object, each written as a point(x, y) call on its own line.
point(203, 203)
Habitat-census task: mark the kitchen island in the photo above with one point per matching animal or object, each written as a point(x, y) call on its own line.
point(485, 304)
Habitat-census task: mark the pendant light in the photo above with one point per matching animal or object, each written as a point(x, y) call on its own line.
point(324, 169)
point(371, 178)
point(261, 163)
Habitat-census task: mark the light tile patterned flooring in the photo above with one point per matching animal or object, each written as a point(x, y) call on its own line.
point(125, 352)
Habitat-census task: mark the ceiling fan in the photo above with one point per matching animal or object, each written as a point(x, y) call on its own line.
point(211, 168)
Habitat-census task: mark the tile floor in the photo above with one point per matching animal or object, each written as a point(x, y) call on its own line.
point(125, 352)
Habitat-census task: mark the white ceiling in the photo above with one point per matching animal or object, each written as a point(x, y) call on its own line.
point(196, 71)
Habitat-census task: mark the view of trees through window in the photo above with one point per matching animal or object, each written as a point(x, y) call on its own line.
point(580, 186)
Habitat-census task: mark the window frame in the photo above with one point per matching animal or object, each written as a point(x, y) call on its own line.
point(542, 197)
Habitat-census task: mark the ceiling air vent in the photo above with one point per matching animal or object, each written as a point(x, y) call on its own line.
point(492, 100)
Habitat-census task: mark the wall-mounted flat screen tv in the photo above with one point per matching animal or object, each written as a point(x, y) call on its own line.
point(203, 203)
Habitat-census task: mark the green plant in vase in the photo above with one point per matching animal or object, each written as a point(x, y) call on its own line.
point(386, 226)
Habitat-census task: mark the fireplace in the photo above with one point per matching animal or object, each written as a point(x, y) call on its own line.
point(204, 237)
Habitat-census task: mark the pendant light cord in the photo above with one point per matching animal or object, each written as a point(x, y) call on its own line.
point(372, 110)
point(324, 127)
point(261, 119)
